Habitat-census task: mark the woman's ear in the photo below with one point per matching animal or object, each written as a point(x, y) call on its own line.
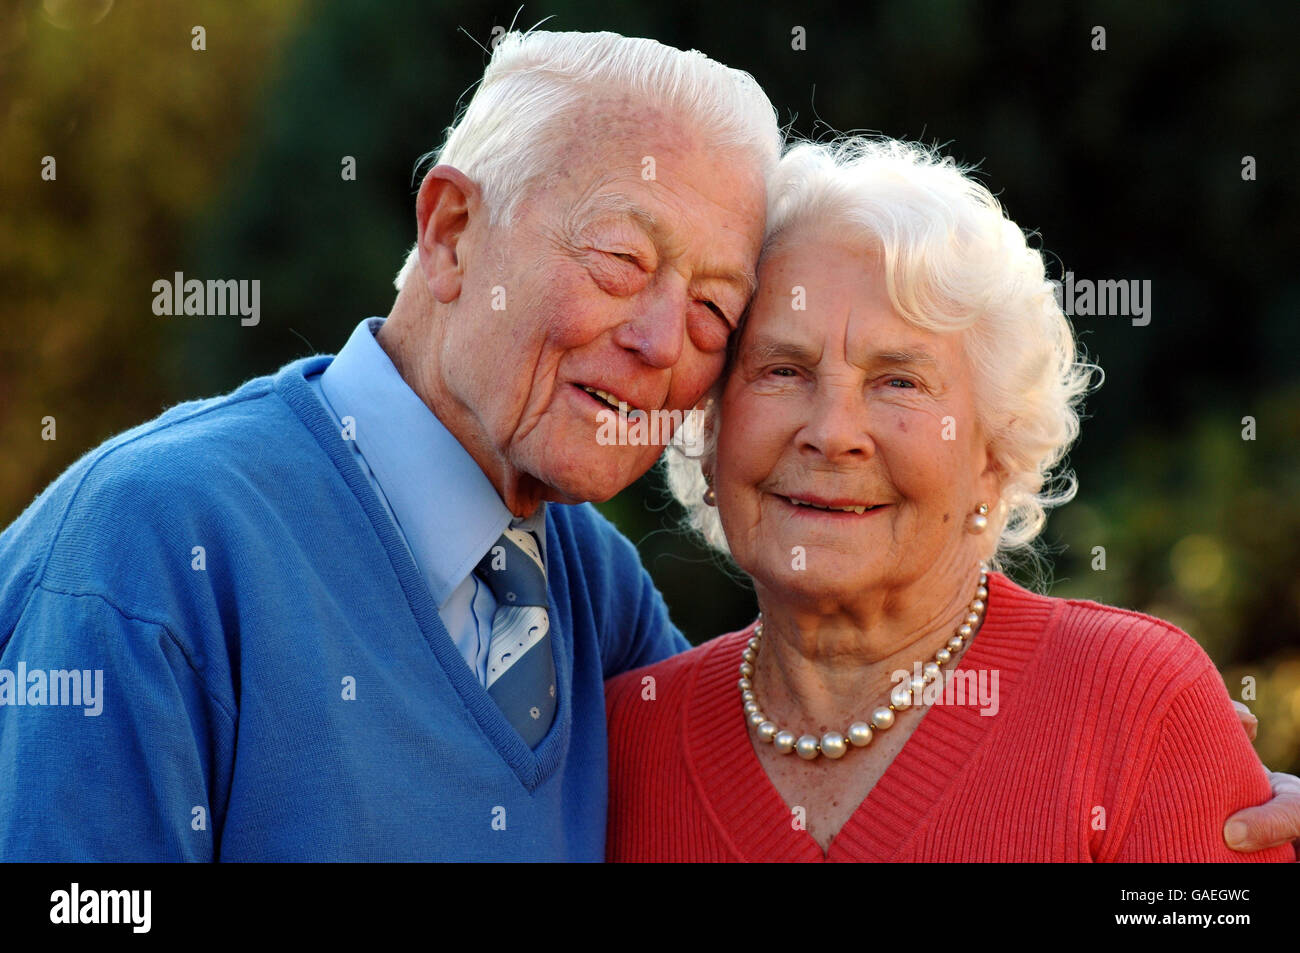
point(991, 479)
point(698, 431)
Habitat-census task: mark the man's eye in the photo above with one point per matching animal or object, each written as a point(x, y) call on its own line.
point(784, 371)
point(901, 382)
point(626, 256)
point(716, 310)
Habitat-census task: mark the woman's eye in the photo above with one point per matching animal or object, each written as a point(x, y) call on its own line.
point(625, 256)
point(783, 371)
point(901, 382)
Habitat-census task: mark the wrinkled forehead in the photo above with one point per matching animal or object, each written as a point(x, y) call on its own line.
point(822, 288)
point(670, 184)
point(812, 262)
point(606, 136)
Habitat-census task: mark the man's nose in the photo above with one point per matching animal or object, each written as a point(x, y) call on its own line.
point(837, 426)
point(658, 330)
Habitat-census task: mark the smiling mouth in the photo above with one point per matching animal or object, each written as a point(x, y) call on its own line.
point(858, 509)
point(606, 398)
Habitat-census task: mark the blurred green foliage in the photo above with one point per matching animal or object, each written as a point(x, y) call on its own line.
point(225, 163)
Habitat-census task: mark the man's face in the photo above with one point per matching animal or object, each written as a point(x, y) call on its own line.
point(624, 271)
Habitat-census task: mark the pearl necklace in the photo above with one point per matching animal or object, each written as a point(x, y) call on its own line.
point(833, 744)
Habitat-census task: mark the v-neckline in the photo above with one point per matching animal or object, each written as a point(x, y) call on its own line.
point(531, 766)
point(721, 760)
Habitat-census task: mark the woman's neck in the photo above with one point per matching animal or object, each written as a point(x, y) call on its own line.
point(819, 670)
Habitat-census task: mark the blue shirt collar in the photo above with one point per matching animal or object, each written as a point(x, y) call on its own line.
point(445, 506)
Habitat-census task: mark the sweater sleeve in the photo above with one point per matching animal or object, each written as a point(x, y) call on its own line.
point(642, 614)
point(632, 618)
point(1202, 769)
point(133, 772)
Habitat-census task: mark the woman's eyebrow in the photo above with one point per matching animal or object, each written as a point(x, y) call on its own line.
point(903, 356)
point(777, 349)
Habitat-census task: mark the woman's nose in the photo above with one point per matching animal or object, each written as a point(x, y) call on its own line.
point(837, 425)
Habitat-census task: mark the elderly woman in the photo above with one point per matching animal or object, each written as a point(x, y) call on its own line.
point(898, 397)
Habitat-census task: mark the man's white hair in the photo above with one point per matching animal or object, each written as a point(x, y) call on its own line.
point(508, 135)
point(953, 263)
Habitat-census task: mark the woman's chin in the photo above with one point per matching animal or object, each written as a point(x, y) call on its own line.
point(828, 588)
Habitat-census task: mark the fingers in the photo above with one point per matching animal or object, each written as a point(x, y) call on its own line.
point(1248, 721)
point(1271, 824)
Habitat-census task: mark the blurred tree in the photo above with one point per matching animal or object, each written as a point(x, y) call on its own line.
point(140, 127)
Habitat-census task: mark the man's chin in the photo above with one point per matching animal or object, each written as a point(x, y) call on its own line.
point(595, 481)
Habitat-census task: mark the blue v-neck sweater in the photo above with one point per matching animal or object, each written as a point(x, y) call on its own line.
point(276, 683)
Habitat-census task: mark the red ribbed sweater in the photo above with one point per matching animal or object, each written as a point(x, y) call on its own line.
point(1097, 708)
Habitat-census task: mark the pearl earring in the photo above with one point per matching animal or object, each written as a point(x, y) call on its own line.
point(980, 521)
point(710, 498)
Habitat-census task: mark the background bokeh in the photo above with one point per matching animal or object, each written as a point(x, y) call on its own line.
point(1126, 162)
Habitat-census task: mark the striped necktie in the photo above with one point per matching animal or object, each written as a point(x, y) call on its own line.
point(520, 669)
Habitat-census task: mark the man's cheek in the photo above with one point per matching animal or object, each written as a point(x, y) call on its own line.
point(688, 390)
point(568, 317)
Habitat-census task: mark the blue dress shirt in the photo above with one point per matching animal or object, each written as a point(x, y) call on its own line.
point(446, 510)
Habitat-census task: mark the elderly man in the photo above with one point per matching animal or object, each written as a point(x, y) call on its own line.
point(360, 609)
point(331, 615)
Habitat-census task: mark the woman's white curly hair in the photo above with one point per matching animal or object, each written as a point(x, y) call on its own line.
point(953, 262)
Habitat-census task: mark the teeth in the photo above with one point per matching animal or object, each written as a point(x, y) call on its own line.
point(833, 509)
point(606, 396)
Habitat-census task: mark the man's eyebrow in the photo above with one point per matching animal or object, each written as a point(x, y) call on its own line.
point(617, 204)
point(746, 281)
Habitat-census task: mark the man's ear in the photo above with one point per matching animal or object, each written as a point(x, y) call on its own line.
point(447, 202)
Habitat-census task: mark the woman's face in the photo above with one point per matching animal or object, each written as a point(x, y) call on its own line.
point(840, 403)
